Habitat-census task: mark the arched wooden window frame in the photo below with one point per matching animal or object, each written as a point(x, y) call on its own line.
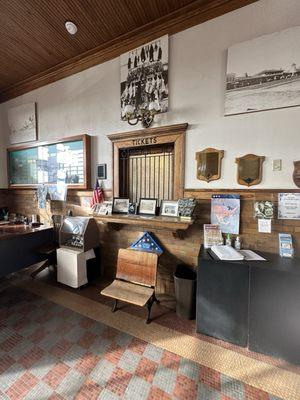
point(171, 134)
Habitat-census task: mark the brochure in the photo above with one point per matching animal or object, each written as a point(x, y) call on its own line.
point(286, 245)
point(212, 235)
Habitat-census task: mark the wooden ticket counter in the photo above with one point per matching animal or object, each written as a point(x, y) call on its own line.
point(19, 244)
point(254, 304)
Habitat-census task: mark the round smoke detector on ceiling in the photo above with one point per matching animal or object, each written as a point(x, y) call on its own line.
point(71, 27)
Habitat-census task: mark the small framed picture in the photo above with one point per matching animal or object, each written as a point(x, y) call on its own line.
point(96, 208)
point(120, 206)
point(102, 171)
point(132, 208)
point(105, 208)
point(147, 206)
point(169, 208)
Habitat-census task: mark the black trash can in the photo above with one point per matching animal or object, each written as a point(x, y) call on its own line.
point(185, 291)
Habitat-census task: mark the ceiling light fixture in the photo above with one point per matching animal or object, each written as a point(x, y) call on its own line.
point(71, 27)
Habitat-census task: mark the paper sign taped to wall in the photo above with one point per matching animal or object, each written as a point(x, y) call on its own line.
point(264, 225)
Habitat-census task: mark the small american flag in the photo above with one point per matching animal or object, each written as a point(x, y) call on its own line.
point(98, 195)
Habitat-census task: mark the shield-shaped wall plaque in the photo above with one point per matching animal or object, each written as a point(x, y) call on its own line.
point(209, 164)
point(249, 169)
point(296, 173)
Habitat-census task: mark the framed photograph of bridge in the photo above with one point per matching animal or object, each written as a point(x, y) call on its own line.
point(264, 73)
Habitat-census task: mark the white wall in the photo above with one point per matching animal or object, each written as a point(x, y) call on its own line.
point(88, 102)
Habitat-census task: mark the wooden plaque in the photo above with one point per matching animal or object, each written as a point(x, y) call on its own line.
point(296, 173)
point(249, 170)
point(209, 164)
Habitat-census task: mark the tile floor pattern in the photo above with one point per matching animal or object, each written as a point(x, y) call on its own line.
point(50, 352)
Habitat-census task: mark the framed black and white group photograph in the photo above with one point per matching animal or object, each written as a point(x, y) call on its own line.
point(144, 76)
point(264, 73)
point(120, 205)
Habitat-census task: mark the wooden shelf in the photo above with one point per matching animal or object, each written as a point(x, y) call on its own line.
point(176, 225)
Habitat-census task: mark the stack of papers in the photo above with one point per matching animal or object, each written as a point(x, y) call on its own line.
point(251, 255)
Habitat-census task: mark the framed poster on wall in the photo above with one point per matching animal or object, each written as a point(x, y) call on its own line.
point(264, 73)
point(48, 163)
point(144, 76)
point(289, 206)
point(22, 123)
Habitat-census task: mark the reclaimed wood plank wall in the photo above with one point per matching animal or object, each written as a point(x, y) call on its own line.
point(175, 249)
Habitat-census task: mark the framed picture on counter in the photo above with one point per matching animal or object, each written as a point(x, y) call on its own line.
point(104, 208)
point(169, 208)
point(147, 206)
point(120, 205)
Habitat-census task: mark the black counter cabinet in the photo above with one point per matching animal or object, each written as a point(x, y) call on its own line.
point(254, 304)
point(222, 299)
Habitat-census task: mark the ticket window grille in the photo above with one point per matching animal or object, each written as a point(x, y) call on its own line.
point(147, 172)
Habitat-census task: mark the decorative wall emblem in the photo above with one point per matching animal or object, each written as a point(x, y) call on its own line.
point(296, 173)
point(209, 164)
point(249, 171)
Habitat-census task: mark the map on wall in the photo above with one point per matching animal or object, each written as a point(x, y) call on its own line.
point(225, 212)
point(48, 164)
point(264, 73)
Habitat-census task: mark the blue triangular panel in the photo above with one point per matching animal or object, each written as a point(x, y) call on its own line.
point(147, 243)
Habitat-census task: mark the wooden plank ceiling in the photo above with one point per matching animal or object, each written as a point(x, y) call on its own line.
point(35, 48)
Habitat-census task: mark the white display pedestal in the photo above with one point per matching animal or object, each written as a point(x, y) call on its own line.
point(71, 267)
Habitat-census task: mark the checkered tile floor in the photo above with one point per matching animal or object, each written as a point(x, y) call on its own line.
point(50, 352)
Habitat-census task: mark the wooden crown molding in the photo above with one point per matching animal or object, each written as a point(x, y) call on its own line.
point(195, 13)
point(158, 131)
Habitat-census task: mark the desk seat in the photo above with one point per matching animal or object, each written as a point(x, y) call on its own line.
point(135, 279)
point(129, 292)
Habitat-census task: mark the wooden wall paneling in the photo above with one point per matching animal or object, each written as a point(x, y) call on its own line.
point(175, 250)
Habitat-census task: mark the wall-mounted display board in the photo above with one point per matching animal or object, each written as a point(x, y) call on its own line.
point(67, 159)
